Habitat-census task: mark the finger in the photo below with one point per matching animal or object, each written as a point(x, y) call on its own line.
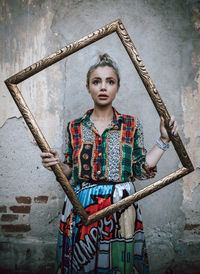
point(50, 160)
point(45, 154)
point(46, 165)
point(175, 124)
point(54, 152)
point(175, 128)
point(172, 119)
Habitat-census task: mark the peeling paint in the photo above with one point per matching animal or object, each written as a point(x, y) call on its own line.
point(196, 16)
point(191, 103)
point(163, 33)
point(36, 89)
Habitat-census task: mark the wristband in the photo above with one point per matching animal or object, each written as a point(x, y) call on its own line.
point(162, 145)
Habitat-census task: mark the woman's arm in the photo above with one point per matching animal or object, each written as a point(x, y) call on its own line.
point(154, 155)
point(52, 158)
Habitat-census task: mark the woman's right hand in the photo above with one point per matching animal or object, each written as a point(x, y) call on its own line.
point(50, 159)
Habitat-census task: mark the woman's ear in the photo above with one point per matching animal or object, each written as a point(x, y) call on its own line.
point(87, 86)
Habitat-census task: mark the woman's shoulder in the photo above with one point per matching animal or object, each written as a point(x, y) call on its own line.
point(80, 119)
point(74, 123)
point(130, 118)
point(132, 121)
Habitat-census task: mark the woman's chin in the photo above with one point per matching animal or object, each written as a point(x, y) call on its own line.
point(102, 104)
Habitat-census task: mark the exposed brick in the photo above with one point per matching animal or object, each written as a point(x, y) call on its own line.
point(23, 199)
point(9, 217)
point(16, 228)
point(20, 209)
point(191, 226)
point(41, 199)
point(3, 209)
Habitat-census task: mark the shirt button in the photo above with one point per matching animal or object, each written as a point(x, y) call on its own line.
point(98, 172)
point(87, 146)
point(85, 156)
point(86, 167)
point(99, 154)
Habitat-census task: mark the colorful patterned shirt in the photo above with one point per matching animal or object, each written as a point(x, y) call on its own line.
point(118, 155)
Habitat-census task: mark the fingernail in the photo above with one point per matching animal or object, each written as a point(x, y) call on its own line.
point(173, 133)
point(170, 123)
point(49, 154)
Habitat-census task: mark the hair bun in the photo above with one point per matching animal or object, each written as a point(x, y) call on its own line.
point(104, 58)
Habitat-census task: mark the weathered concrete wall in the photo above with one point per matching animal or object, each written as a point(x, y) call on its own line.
point(166, 34)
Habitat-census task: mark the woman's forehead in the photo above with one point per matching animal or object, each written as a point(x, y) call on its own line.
point(103, 72)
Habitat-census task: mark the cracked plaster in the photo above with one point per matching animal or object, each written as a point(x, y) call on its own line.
point(164, 37)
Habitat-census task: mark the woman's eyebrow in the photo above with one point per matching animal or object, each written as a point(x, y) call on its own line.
point(99, 78)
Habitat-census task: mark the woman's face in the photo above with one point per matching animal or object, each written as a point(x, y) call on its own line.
point(103, 85)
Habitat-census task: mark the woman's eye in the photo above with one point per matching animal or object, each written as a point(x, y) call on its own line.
point(111, 82)
point(96, 82)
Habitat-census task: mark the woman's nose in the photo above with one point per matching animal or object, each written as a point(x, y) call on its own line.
point(103, 85)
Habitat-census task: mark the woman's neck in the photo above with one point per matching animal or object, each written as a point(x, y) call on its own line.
point(102, 113)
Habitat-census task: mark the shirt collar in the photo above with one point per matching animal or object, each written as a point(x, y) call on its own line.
point(116, 116)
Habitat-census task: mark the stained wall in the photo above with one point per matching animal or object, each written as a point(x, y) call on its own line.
point(166, 34)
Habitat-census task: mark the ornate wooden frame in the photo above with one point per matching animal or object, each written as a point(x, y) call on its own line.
point(118, 27)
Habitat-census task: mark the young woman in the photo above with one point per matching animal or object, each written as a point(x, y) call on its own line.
point(105, 153)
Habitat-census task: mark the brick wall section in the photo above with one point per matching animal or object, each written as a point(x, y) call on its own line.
point(3, 209)
point(20, 209)
point(23, 200)
point(16, 228)
point(191, 226)
point(41, 199)
point(9, 217)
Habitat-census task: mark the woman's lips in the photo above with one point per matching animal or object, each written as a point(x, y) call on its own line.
point(103, 96)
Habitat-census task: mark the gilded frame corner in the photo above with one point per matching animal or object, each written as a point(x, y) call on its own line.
point(117, 27)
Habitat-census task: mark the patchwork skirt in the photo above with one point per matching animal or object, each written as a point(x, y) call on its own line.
point(114, 244)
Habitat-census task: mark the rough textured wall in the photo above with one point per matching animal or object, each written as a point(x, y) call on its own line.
point(166, 34)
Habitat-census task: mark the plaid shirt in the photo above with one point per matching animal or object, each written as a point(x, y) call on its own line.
point(117, 155)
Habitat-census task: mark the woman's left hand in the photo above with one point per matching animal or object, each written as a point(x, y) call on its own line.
point(163, 132)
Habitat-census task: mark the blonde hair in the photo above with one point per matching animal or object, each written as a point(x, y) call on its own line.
point(104, 60)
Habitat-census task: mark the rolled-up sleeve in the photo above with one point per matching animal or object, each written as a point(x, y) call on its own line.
point(69, 149)
point(141, 169)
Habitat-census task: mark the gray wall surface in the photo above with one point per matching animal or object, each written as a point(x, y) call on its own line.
point(166, 34)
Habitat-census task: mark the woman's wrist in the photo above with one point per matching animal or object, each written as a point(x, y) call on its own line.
point(66, 170)
point(165, 140)
point(162, 144)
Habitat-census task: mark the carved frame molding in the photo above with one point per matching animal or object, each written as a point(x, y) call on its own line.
point(118, 27)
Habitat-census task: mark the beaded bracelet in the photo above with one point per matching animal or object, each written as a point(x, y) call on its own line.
point(162, 145)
